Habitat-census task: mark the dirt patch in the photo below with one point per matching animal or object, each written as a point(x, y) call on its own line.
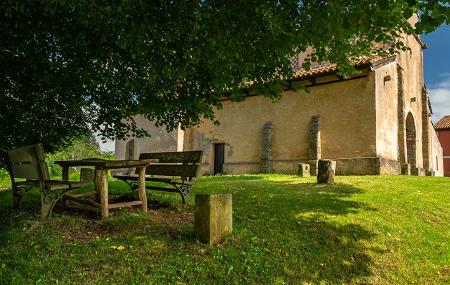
point(166, 221)
point(171, 217)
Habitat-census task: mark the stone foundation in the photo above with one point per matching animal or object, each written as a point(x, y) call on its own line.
point(344, 166)
point(367, 166)
point(417, 171)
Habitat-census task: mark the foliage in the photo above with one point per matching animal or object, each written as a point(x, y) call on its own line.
point(83, 147)
point(75, 65)
point(287, 230)
point(5, 181)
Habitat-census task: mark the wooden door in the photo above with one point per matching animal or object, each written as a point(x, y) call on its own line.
point(219, 156)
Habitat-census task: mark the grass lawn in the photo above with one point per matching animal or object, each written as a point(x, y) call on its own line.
point(287, 230)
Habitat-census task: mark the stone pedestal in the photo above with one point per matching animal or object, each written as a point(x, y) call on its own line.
point(87, 175)
point(213, 217)
point(303, 170)
point(313, 167)
point(406, 169)
point(326, 171)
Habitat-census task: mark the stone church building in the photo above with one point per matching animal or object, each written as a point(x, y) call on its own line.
point(378, 122)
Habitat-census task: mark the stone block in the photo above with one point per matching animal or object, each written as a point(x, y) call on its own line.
point(303, 170)
point(213, 217)
point(326, 171)
point(313, 167)
point(417, 171)
point(87, 175)
point(406, 169)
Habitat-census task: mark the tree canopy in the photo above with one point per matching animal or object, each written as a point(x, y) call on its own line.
point(70, 66)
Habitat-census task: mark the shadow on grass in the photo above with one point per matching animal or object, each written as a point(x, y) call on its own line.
point(285, 229)
point(309, 228)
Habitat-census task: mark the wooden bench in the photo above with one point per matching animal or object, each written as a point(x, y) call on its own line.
point(176, 170)
point(27, 164)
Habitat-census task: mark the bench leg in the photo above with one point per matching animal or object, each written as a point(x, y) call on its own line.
point(16, 198)
point(185, 191)
point(18, 193)
point(48, 201)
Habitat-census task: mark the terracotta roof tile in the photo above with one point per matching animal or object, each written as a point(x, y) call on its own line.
point(324, 68)
point(443, 123)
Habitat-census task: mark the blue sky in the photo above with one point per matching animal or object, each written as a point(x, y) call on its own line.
point(437, 70)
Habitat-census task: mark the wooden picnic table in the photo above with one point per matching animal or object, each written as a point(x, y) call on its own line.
point(101, 181)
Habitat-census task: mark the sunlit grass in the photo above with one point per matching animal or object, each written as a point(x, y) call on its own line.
point(287, 230)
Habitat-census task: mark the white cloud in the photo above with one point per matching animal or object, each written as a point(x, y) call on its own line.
point(440, 99)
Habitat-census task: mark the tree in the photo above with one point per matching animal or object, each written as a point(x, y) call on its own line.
point(70, 65)
point(78, 148)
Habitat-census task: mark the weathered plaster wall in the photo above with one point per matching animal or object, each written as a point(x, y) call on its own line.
point(411, 63)
point(348, 130)
point(160, 140)
point(387, 106)
point(437, 155)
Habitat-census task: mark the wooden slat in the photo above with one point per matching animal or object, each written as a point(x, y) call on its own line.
point(28, 162)
point(81, 195)
point(29, 153)
point(126, 177)
point(76, 205)
point(124, 204)
point(107, 164)
point(87, 202)
point(161, 189)
point(61, 184)
point(26, 170)
point(174, 157)
point(172, 170)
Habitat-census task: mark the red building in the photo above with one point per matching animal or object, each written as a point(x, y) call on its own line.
point(443, 131)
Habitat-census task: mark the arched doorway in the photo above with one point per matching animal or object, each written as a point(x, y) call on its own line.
point(411, 140)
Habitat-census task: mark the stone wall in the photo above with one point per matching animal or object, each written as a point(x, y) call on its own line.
point(437, 155)
point(387, 116)
point(347, 128)
point(160, 140)
point(411, 63)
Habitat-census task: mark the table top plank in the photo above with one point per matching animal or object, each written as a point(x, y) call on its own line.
point(106, 164)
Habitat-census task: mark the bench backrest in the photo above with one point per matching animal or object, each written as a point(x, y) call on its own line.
point(181, 163)
point(27, 162)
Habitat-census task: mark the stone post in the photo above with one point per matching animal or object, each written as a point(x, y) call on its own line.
point(87, 175)
point(303, 170)
point(406, 168)
point(213, 217)
point(326, 171)
point(426, 141)
point(315, 151)
point(401, 135)
point(266, 154)
point(129, 154)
